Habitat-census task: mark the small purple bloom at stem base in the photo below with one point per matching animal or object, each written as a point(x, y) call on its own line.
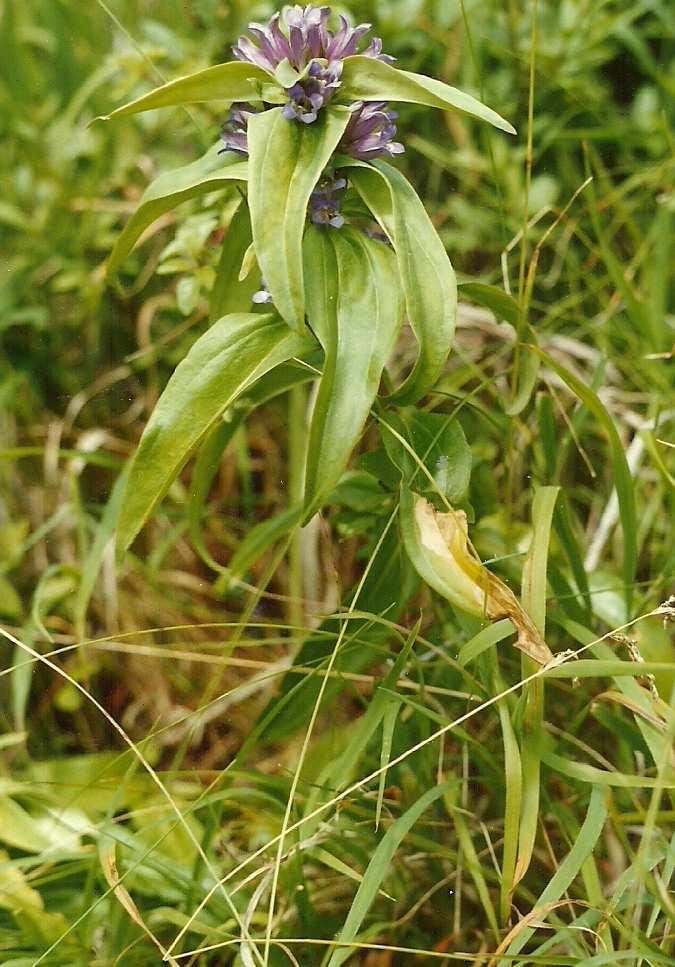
point(324, 202)
point(370, 132)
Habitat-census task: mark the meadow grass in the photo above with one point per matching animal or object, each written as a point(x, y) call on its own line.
point(250, 744)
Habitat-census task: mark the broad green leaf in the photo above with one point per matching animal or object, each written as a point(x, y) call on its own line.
point(623, 481)
point(438, 444)
point(234, 81)
point(286, 160)
point(212, 171)
point(221, 365)
point(367, 79)
point(426, 273)
point(368, 314)
point(378, 868)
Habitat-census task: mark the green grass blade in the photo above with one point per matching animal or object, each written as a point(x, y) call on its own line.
point(534, 602)
point(378, 868)
point(622, 476)
point(571, 865)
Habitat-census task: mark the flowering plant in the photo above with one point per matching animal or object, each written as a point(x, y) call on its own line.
point(333, 243)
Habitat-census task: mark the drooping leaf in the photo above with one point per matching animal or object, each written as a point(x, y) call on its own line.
point(221, 365)
point(503, 305)
point(367, 79)
point(234, 81)
point(212, 171)
point(286, 160)
point(368, 317)
point(426, 273)
point(437, 545)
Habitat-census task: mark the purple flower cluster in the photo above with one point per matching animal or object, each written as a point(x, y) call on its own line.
point(235, 130)
point(324, 202)
point(309, 95)
point(301, 38)
point(311, 50)
point(371, 132)
point(307, 38)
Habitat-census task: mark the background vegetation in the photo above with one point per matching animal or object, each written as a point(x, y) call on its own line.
point(151, 726)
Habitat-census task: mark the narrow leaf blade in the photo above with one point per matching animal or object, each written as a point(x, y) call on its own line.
point(234, 81)
point(367, 79)
point(209, 173)
point(230, 356)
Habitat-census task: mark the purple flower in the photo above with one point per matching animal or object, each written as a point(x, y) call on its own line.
point(324, 202)
point(370, 132)
point(305, 41)
point(308, 96)
point(234, 133)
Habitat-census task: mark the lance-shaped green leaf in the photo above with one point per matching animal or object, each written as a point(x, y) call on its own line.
point(234, 81)
point(286, 160)
point(212, 171)
point(368, 313)
point(426, 273)
point(274, 383)
point(221, 365)
point(438, 547)
point(367, 79)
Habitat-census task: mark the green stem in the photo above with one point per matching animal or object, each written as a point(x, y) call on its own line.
point(297, 444)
